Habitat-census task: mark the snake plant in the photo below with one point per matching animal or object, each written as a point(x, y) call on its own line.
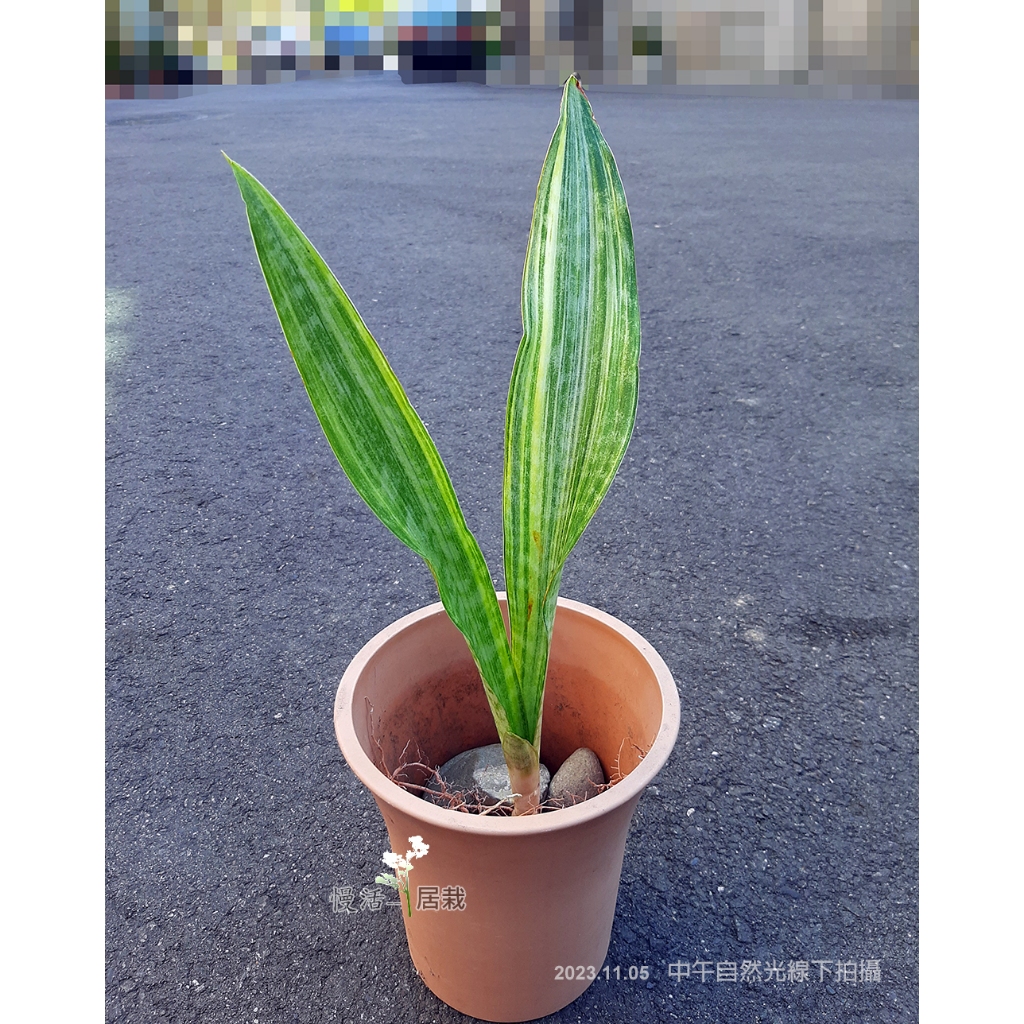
point(571, 408)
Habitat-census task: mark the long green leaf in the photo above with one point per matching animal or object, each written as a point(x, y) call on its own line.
point(572, 400)
point(379, 439)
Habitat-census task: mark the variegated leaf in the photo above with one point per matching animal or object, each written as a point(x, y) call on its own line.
point(379, 439)
point(573, 396)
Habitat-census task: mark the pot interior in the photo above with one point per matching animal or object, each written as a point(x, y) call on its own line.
point(421, 702)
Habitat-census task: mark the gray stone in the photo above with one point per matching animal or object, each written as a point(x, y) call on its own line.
point(481, 775)
point(579, 778)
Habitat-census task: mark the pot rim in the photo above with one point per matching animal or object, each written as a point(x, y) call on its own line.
point(383, 789)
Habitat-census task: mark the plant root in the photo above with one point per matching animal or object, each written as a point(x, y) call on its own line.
point(433, 787)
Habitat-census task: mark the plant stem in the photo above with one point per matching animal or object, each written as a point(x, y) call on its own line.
point(527, 784)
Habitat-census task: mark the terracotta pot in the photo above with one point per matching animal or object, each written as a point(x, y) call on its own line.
point(540, 890)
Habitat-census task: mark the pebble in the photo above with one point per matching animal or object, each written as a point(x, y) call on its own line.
point(579, 778)
point(481, 775)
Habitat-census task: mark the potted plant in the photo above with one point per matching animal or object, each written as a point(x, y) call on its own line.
point(533, 895)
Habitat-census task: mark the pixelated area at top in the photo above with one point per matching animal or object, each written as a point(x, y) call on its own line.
point(162, 48)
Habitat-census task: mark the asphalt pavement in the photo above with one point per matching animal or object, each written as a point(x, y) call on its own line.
point(761, 533)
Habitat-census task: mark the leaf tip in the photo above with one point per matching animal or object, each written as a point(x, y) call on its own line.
point(574, 80)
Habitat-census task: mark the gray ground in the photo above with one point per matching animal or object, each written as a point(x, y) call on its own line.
point(762, 533)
